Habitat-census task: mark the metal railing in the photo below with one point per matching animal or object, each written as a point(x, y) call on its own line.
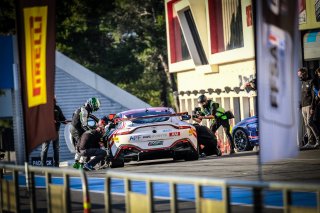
point(146, 203)
point(58, 196)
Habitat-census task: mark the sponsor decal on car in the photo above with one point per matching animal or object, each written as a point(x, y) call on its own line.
point(158, 136)
point(140, 137)
point(135, 137)
point(192, 132)
point(174, 134)
point(155, 143)
point(116, 139)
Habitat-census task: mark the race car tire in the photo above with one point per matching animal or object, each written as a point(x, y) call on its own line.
point(241, 140)
point(178, 156)
point(193, 155)
point(206, 138)
point(117, 163)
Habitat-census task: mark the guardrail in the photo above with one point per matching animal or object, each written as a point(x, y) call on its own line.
point(58, 196)
point(137, 202)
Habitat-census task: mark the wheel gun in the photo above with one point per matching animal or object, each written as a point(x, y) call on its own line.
point(196, 112)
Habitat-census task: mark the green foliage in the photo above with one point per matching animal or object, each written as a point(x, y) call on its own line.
point(7, 17)
point(121, 40)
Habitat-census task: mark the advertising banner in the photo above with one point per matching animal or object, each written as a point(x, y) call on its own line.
point(277, 64)
point(36, 44)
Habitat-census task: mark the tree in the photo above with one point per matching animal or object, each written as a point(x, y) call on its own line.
point(149, 26)
point(121, 40)
point(7, 17)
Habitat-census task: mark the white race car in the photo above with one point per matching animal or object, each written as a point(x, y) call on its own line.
point(147, 134)
point(151, 133)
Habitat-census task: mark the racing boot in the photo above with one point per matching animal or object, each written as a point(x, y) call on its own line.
point(218, 152)
point(202, 155)
point(76, 165)
point(232, 152)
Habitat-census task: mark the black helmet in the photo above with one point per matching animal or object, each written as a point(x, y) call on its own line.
point(202, 99)
point(93, 103)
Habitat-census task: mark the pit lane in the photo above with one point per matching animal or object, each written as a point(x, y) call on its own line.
point(240, 166)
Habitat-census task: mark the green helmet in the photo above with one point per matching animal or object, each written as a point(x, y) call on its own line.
point(93, 103)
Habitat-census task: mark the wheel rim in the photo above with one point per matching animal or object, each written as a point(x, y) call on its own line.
point(240, 140)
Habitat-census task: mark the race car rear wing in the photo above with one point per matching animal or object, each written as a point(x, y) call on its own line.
point(184, 115)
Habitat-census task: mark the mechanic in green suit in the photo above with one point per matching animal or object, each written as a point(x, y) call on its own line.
point(218, 117)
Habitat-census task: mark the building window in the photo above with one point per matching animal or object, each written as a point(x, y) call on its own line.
point(226, 31)
point(196, 37)
point(192, 37)
point(178, 48)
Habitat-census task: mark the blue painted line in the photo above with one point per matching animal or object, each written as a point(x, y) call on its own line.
point(238, 195)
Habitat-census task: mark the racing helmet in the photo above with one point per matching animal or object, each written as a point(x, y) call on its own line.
point(202, 99)
point(93, 103)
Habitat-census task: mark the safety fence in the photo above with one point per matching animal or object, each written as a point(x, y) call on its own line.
point(17, 180)
point(58, 196)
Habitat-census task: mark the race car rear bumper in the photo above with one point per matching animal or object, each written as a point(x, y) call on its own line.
point(134, 153)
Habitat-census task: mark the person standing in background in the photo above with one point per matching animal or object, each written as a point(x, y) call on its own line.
point(58, 119)
point(314, 121)
point(305, 105)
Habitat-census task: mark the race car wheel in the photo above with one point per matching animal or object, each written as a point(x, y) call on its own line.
point(194, 155)
point(117, 163)
point(191, 157)
point(177, 157)
point(241, 141)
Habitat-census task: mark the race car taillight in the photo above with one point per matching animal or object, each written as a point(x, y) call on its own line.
point(184, 127)
point(127, 147)
point(124, 133)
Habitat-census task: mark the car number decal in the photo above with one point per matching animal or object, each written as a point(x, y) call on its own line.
point(155, 143)
point(174, 134)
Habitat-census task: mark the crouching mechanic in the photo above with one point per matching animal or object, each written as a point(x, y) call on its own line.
point(90, 146)
point(79, 124)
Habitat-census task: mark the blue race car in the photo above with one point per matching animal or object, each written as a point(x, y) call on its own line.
point(246, 134)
